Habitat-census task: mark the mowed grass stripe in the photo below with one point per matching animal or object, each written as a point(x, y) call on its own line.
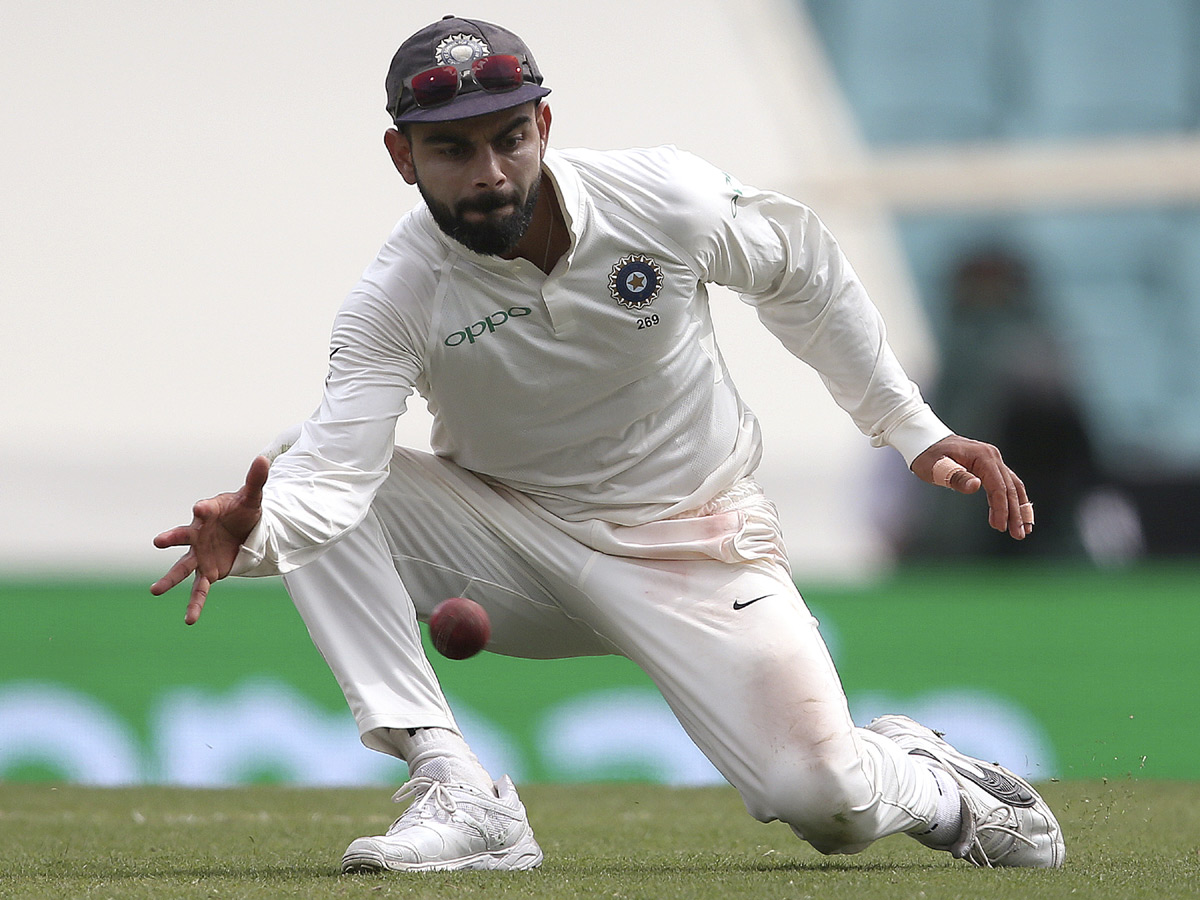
point(1126, 839)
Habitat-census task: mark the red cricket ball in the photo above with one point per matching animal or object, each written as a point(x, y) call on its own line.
point(459, 628)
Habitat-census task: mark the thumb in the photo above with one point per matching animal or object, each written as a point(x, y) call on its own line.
point(256, 477)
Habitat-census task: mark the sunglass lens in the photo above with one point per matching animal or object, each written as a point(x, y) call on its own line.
point(434, 86)
point(501, 72)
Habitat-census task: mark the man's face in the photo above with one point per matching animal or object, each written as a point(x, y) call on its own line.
point(479, 176)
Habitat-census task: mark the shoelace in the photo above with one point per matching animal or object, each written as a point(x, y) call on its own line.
point(997, 819)
point(431, 797)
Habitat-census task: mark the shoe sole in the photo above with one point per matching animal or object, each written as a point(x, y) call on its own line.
point(362, 856)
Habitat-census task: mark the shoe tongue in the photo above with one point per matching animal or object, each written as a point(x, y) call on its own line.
point(437, 769)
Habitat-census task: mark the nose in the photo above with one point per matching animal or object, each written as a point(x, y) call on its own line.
point(488, 174)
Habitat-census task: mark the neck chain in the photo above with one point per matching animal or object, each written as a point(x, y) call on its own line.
point(549, 240)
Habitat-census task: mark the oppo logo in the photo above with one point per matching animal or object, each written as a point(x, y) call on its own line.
point(485, 326)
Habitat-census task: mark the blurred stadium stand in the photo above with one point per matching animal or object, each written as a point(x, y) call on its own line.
point(1117, 286)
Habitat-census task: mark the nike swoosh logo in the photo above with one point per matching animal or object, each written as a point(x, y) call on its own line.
point(999, 786)
point(995, 782)
point(738, 605)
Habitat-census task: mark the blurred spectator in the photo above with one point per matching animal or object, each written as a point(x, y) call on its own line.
point(1004, 379)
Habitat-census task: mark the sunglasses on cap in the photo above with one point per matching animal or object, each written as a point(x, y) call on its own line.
point(495, 74)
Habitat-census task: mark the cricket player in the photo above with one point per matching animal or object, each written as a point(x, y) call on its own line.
point(592, 477)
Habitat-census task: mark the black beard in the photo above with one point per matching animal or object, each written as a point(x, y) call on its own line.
point(498, 238)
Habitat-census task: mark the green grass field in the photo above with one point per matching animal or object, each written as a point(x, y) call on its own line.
point(1125, 839)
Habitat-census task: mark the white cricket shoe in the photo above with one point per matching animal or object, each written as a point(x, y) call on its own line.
point(1005, 821)
point(450, 826)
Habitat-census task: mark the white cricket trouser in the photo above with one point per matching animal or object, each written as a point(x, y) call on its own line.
point(753, 686)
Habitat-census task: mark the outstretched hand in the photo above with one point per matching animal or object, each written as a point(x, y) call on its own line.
point(219, 526)
point(964, 465)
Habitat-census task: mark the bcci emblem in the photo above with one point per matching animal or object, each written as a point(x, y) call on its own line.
point(460, 50)
point(635, 281)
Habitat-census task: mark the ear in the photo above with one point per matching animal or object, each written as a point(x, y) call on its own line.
point(400, 150)
point(542, 117)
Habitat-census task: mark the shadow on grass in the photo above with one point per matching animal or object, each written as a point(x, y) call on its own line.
point(621, 867)
point(723, 865)
point(143, 870)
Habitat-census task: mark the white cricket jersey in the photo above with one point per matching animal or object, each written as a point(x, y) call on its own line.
point(597, 392)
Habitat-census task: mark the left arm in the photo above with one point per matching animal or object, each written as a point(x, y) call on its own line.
point(973, 465)
point(787, 265)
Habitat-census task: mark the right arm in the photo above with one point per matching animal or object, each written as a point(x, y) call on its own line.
point(323, 485)
point(218, 527)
